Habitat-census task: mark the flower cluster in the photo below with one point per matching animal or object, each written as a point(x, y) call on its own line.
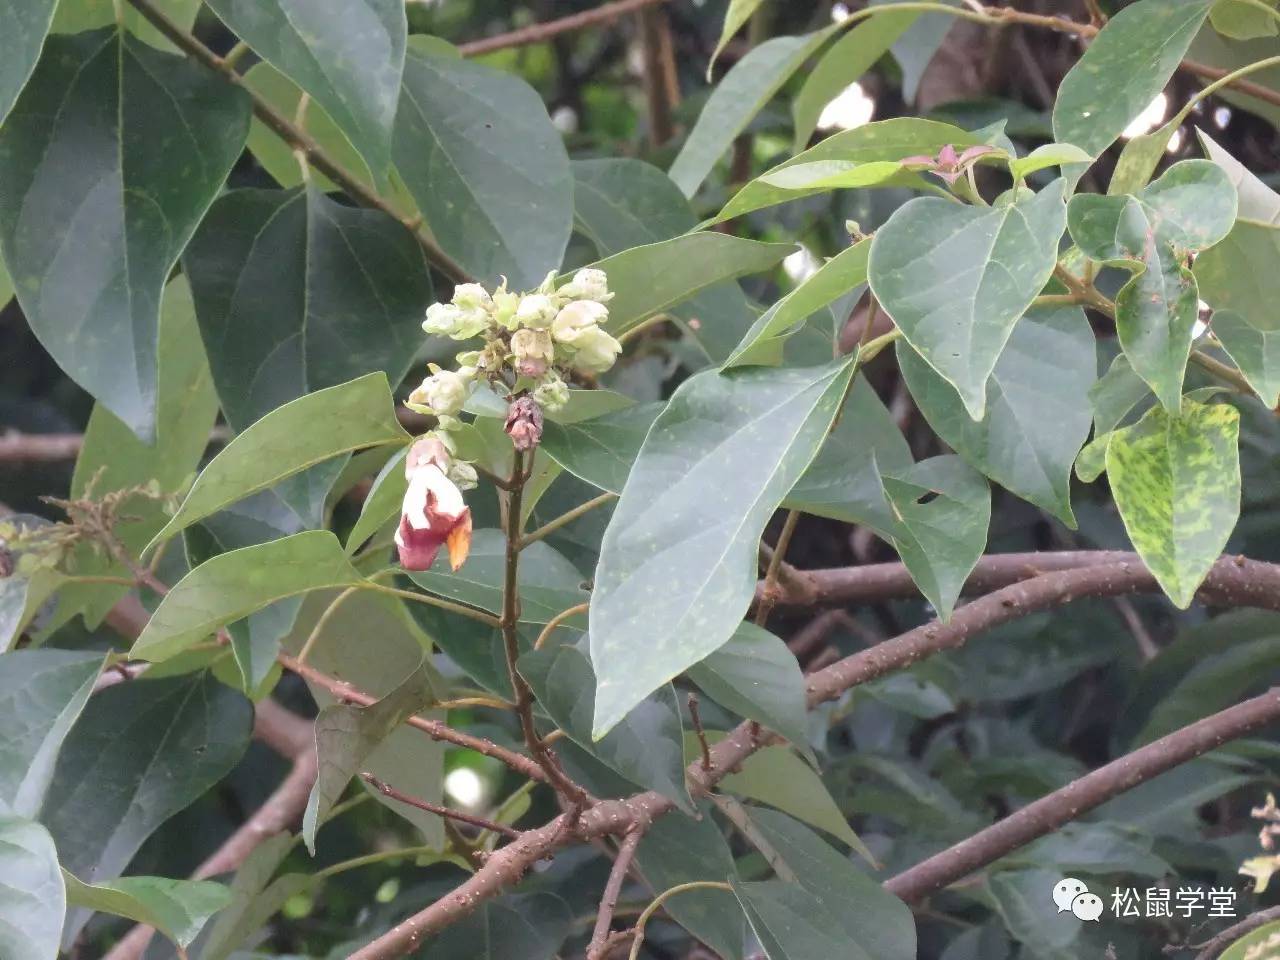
point(530, 341)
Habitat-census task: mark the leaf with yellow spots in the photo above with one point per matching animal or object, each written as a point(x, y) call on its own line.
point(1176, 482)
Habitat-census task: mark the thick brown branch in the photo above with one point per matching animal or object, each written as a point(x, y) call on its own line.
point(541, 32)
point(1213, 947)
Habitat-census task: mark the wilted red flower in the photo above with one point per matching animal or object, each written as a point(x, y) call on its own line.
point(434, 513)
point(524, 423)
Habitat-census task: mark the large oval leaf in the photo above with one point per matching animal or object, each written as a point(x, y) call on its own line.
point(95, 208)
point(956, 278)
point(677, 566)
point(295, 292)
point(347, 54)
point(488, 170)
point(32, 898)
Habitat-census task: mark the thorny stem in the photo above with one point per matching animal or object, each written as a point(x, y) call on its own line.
point(566, 518)
point(389, 791)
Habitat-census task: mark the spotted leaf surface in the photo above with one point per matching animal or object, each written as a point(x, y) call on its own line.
point(956, 278)
point(678, 563)
point(1191, 207)
point(1176, 482)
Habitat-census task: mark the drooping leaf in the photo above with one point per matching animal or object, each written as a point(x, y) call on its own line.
point(346, 735)
point(32, 898)
point(677, 568)
point(916, 48)
point(41, 694)
point(1256, 352)
point(840, 275)
point(177, 908)
point(141, 752)
point(1037, 415)
point(740, 95)
point(488, 170)
point(756, 676)
point(830, 909)
point(883, 140)
point(647, 747)
point(735, 18)
point(235, 584)
point(602, 450)
point(348, 56)
point(649, 279)
point(1192, 206)
point(519, 926)
point(678, 850)
point(1124, 68)
point(1176, 482)
point(95, 209)
point(295, 293)
point(956, 278)
point(842, 64)
point(1257, 201)
point(26, 26)
point(287, 441)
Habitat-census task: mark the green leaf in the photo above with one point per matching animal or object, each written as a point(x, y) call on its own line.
point(1091, 462)
point(625, 203)
point(236, 922)
point(519, 926)
point(1176, 482)
point(1128, 63)
point(296, 292)
point(1248, 946)
point(1019, 897)
point(956, 278)
point(1191, 207)
point(177, 908)
point(842, 64)
point(647, 747)
point(1116, 393)
point(348, 56)
point(735, 18)
point(756, 676)
point(1256, 352)
point(1257, 201)
point(77, 16)
point(488, 170)
point(345, 737)
point(1037, 416)
point(678, 850)
point(549, 584)
point(383, 502)
point(677, 569)
point(1244, 21)
point(95, 209)
point(235, 584)
point(41, 694)
point(1048, 155)
point(649, 279)
point(883, 140)
point(916, 49)
point(287, 441)
point(141, 752)
point(25, 28)
point(831, 909)
point(844, 272)
point(1241, 274)
point(32, 898)
point(740, 95)
point(602, 450)
point(21, 599)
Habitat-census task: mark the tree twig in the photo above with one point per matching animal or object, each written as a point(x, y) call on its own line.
point(1210, 949)
point(542, 32)
point(699, 731)
point(446, 812)
point(612, 890)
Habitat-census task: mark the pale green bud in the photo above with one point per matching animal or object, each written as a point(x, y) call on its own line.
point(537, 310)
point(548, 285)
point(443, 393)
point(505, 305)
point(472, 296)
point(442, 319)
point(463, 475)
point(595, 351)
point(588, 284)
point(576, 318)
point(472, 323)
point(552, 394)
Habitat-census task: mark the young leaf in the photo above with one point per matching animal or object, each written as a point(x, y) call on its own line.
point(738, 97)
point(1037, 415)
point(141, 752)
point(296, 292)
point(1176, 482)
point(1124, 68)
point(735, 18)
point(20, 45)
point(677, 567)
point(345, 737)
point(41, 694)
point(235, 584)
point(287, 441)
point(601, 451)
point(647, 747)
point(488, 170)
point(1256, 352)
point(95, 209)
point(348, 56)
point(756, 676)
point(956, 278)
point(177, 908)
point(32, 898)
point(1048, 155)
point(1191, 207)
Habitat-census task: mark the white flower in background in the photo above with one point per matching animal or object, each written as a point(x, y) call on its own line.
point(443, 319)
point(576, 318)
point(536, 310)
point(472, 296)
point(588, 284)
point(851, 108)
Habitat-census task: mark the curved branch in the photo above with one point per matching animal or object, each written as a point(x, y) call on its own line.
point(541, 32)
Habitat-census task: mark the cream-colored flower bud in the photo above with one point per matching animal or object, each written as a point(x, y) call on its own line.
point(552, 394)
point(533, 351)
point(588, 284)
point(595, 351)
point(472, 323)
point(443, 393)
point(472, 296)
point(577, 317)
point(442, 319)
point(537, 310)
point(505, 305)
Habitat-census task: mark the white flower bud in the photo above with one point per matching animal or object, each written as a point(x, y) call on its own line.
point(577, 317)
point(537, 310)
point(552, 394)
point(443, 393)
point(595, 350)
point(588, 284)
point(533, 351)
point(472, 296)
point(442, 319)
